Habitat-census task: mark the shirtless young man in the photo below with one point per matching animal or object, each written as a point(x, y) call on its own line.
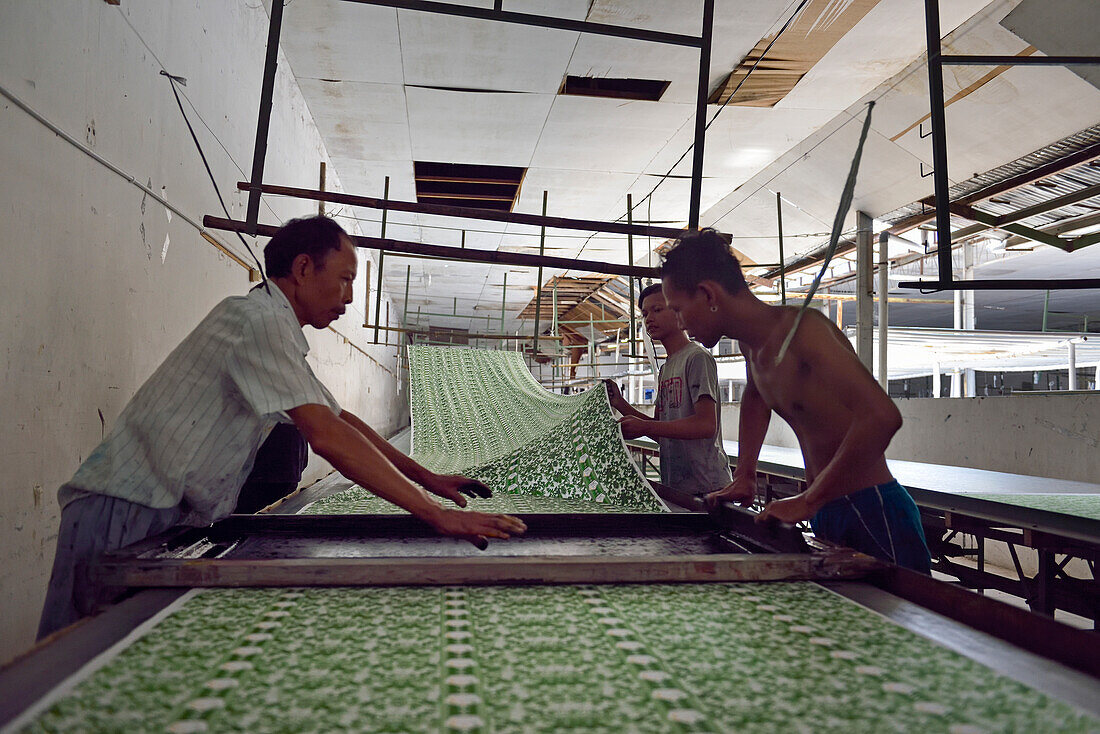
point(842, 418)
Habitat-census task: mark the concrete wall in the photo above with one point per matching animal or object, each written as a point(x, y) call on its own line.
point(1049, 435)
point(89, 305)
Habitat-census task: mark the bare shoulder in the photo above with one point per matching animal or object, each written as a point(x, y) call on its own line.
point(819, 332)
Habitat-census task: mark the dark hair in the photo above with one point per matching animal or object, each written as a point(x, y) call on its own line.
point(648, 291)
point(313, 236)
point(699, 256)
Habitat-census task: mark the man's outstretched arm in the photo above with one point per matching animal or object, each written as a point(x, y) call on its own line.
point(618, 402)
point(348, 450)
point(703, 423)
point(443, 485)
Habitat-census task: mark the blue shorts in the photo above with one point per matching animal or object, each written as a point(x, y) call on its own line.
point(882, 521)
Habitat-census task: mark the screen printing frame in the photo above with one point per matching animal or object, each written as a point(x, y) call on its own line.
point(947, 515)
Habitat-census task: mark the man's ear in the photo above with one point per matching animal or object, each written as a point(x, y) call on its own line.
point(709, 291)
point(301, 265)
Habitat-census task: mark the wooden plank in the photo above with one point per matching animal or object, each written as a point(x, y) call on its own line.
point(482, 571)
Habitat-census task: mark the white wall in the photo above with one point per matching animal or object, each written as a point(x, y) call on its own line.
point(87, 307)
point(1050, 435)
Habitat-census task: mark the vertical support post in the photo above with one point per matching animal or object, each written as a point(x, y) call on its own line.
point(700, 115)
point(883, 310)
point(937, 386)
point(939, 140)
point(381, 262)
point(592, 349)
point(554, 311)
point(1072, 366)
point(630, 261)
point(405, 308)
point(263, 122)
point(503, 301)
point(782, 267)
point(321, 186)
point(968, 315)
point(1046, 307)
point(538, 285)
point(366, 296)
point(864, 291)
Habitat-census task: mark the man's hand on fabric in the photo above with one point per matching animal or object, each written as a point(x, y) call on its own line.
point(742, 490)
point(454, 486)
point(477, 527)
point(633, 427)
point(615, 396)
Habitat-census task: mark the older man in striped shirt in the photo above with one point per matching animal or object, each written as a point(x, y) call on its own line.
point(183, 446)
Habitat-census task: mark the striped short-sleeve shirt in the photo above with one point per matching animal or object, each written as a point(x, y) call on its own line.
point(189, 435)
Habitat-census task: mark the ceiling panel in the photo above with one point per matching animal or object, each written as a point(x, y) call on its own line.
point(360, 121)
point(464, 127)
point(741, 141)
point(331, 39)
point(595, 134)
point(465, 53)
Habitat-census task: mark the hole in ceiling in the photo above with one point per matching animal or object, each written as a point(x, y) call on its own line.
point(471, 90)
point(591, 86)
point(468, 185)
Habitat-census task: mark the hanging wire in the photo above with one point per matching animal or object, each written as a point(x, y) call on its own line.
point(172, 81)
point(838, 224)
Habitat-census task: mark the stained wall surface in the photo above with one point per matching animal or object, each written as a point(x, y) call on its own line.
point(97, 285)
point(1043, 435)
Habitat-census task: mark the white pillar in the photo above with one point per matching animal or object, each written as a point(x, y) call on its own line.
point(865, 303)
point(883, 310)
point(937, 387)
point(1072, 366)
point(965, 319)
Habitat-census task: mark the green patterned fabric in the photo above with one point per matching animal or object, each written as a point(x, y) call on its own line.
point(481, 413)
point(359, 501)
point(742, 658)
point(1078, 505)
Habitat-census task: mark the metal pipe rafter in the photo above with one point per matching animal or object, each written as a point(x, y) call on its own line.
point(440, 252)
point(702, 94)
point(539, 21)
point(263, 123)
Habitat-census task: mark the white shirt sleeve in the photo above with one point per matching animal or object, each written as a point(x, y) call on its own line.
point(270, 371)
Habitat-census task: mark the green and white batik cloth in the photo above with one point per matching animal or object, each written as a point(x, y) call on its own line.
point(481, 413)
point(359, 501)
point(745, 658)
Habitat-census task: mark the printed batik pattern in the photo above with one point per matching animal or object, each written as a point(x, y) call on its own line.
point(748, 658)
point(481, 413)
point(359, 501)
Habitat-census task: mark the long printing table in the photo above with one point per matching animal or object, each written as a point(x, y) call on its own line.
point(1058, 519)
point(596, 621)
point(295, 623)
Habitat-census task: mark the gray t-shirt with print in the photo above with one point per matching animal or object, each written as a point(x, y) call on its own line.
point(697, 465)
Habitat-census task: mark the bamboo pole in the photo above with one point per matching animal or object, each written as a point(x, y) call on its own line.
point(538, 284)
point(630, 258)
point(381, 260)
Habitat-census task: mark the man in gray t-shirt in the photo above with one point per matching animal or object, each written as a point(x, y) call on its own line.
point(687, 424)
